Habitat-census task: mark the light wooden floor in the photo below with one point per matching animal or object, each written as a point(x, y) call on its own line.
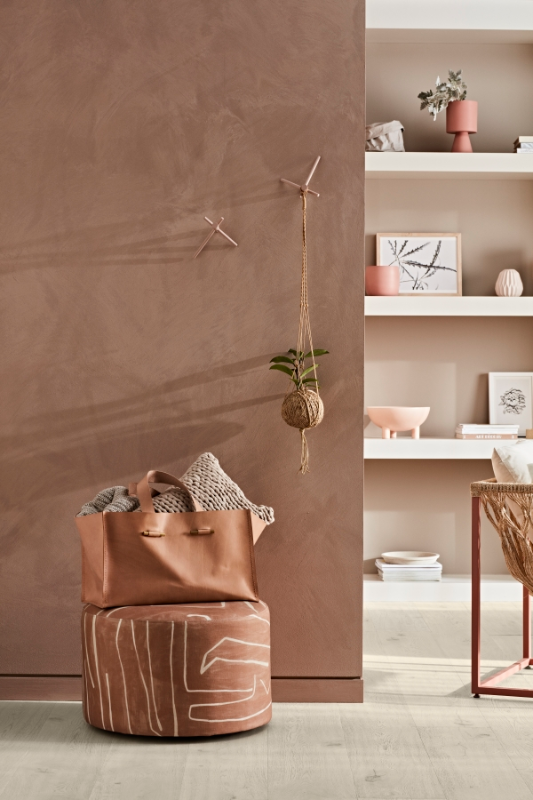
point(418, 735)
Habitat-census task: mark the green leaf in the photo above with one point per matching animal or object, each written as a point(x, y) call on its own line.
point(282, 368)
point(298, 355)
point(317, 352)
point(281, 359)
point(309, 369)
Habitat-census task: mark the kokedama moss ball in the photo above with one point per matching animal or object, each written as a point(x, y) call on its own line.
point(302, 409)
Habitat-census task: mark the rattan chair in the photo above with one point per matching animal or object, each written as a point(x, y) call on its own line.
point(508, 507)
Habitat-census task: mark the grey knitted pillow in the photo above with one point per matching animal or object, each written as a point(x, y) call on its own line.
point(214, 490)
point(115, 498)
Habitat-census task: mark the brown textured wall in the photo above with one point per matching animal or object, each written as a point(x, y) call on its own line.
point(123, 123)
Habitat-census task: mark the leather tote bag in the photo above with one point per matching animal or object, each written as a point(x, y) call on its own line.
point(148, 558)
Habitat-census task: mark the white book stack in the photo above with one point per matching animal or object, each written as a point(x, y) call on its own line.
point(486, 432)
point(408, 572)
point(524, 144)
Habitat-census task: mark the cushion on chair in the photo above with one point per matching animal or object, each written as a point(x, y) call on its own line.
point(177, 670)
point(513, 463)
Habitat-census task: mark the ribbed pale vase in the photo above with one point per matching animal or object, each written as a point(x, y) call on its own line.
point(509, 284)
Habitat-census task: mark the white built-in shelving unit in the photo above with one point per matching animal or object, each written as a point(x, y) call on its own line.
point(428, 448)
point(452, 588)
point(459, 21)
point(449, 166)
point(473, 21)
point(408, 306)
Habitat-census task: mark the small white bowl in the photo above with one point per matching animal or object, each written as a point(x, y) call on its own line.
point(409, 557)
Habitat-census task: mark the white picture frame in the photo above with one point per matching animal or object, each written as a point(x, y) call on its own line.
point(511, 399)
point(430, 263)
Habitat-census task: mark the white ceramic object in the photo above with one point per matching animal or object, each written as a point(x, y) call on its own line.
point(509, 284)
point(417, 557)
point(398, 418)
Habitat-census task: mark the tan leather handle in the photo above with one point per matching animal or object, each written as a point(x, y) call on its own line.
point(144, 493)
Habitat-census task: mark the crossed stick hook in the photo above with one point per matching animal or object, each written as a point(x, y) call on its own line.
point(305, 187)
point(216, 229)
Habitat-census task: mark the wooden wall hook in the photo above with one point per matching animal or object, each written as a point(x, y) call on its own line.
point(216, 229)
point(304, 188)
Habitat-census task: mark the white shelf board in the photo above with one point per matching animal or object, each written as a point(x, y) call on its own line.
point(490, 21)
point(452, 588)
point(430, 449)
point(419, 306)
point(449, 166)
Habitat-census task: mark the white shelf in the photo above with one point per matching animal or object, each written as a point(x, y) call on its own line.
point(452, 588)
point(419, 306)
point(449, 166)
point(459, 21)
point(431, 449)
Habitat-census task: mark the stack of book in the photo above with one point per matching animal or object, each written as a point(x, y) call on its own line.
point(486, 432)
point(524, 144)
point(409, 572)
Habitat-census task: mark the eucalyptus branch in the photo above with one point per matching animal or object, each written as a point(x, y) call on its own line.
point(445, 93)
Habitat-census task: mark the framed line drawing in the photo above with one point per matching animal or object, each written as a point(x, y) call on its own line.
point(511, 399)
point(430, 263)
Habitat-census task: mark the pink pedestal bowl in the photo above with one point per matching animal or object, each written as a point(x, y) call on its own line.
point(392, 419)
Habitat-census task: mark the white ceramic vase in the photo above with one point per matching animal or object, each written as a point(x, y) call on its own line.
point(509, 284)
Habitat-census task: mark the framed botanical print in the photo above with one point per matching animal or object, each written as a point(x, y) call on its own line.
point(430, 263)
point(511, 399)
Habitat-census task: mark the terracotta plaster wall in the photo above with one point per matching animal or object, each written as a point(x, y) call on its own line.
point(123, 123)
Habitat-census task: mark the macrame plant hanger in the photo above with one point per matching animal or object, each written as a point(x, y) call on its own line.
point(303, 408)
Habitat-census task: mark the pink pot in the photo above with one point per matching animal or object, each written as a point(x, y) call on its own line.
point(382, 280)
point(461, 119)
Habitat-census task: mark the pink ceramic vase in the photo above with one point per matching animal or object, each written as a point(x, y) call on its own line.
point(461, 119)
point(382, 280)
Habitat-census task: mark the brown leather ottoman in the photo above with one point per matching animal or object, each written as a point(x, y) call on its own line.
point(177, 670)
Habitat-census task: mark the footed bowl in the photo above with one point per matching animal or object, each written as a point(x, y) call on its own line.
point(392, 419)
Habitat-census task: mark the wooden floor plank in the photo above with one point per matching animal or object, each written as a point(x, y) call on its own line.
point(471, 764)
point(140, 767)
point(307, 754)
point(227, 766)
point(60, 761)
point(387, 755)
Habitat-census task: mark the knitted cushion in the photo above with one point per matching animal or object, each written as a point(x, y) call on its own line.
point(115, 498)
point(215, 491)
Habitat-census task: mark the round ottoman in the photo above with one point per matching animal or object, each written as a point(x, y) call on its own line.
point(177, 670)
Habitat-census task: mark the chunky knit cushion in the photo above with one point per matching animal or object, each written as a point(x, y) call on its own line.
point(214, 490)
point(115, 498)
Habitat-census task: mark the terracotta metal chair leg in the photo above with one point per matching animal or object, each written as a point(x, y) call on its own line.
point(489, 686)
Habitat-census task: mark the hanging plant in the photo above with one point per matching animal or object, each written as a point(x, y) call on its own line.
point(298, 369)
point(302, 407)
